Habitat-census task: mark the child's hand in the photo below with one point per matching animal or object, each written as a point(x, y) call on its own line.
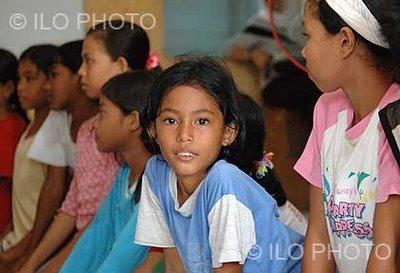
point(18, 264)
point(27, 269)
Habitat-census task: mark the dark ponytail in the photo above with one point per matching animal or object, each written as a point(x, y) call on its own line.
point(124, 39)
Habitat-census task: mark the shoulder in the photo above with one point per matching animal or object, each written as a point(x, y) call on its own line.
point(89, 124)
point(157, 170)
point(226, 177)
point(223, 170)
point(156, 163)
point(58, 115)
point(328, 107)
point(86, 132)
point(332, 102)
point(16, 122)
point(56, 121)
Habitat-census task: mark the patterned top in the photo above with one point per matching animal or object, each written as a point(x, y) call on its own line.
point(93, 176)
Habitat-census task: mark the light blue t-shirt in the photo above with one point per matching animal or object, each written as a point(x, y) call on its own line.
point(229, 218)
point(106, 245)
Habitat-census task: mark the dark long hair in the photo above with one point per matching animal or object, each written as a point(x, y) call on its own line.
point(252, 148)
point(250, 152)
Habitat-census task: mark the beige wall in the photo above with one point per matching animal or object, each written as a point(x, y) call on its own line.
point(244, 75)
point(154, 7)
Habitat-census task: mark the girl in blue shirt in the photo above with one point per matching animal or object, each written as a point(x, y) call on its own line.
point(195, 203)
point(107, 245)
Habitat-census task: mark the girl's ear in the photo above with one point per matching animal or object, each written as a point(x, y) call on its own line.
point(347, 41)
point(229, 135)
point(134, 120)
point(122, 64)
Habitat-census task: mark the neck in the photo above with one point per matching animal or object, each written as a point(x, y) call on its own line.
point(40, 114)
point(136, 155)
point(366, 90)
point(82, 108)
point(188, 184)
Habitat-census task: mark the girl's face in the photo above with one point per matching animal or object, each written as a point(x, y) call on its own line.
point(97, 67)
point(113, 129)
point(64, 87)
point(321, 52)
point(190, 131)
point(31, 85)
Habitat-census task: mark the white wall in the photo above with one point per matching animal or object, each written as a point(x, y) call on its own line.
point(38, 16)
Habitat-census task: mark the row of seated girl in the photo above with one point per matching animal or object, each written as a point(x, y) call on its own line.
point(79, 164)
point(188, 158)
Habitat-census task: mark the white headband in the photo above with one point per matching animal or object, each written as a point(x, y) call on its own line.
point(357, 15)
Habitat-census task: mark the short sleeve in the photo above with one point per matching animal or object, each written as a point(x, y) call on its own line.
point(309, 164)
point(48, 146)
point(233, 201)
point(70, 204)
point(389, 173)
point(232, 231)
point(151, 228)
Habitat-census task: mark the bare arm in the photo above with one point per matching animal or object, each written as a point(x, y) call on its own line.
point(61, 228)
point(151, 261)
point(52, 193)
point(383, 256)
point(173, 263)
point(229, 268)
point(16, 251)
point(317, 252)
point(51, 196)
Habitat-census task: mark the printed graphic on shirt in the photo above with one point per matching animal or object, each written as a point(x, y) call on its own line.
point(347, 219)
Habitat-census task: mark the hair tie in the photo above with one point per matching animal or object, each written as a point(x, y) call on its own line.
point(357, 15)
point(152, 62)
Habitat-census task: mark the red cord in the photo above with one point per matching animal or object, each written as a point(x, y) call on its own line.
point(278, 41)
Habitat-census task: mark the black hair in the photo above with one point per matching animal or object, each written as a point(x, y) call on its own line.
point(124, 39)
point(251, 151)
point(69, 55)
point(41, 55)
point(390, 26)
point(129, 92)
point(383, 58)
point(9, 72)
point(204, 73)
point(252, 148)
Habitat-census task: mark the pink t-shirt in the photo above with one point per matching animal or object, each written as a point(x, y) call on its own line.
point(326, 114)
point(93, 176)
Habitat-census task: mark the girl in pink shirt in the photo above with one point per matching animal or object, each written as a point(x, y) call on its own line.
point(110, 48)
point(354, 179)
